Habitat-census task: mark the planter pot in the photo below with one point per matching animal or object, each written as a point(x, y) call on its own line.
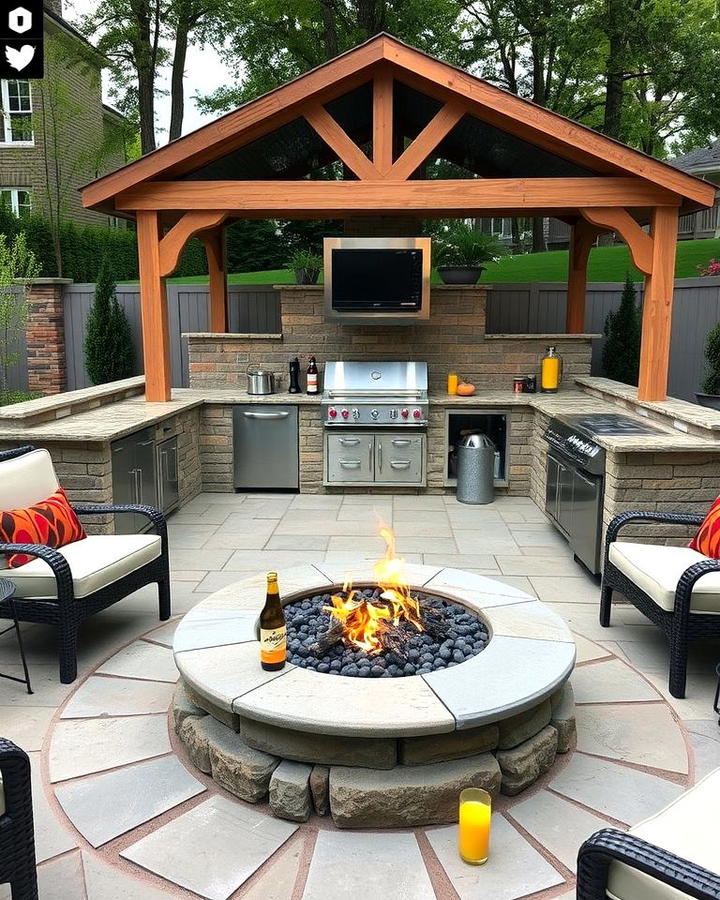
point(460, 274)
point(712, 401)
point(307, 276)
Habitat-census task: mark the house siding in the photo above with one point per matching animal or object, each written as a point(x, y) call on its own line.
point(89, 129)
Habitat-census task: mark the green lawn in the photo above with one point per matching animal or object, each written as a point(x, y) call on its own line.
point(606, 264)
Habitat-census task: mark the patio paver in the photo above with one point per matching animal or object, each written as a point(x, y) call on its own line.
point(213, 848)
point(611, 681)
point(142, 660)
point(118, 697)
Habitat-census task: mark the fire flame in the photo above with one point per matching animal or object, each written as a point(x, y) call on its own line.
point(365, 620)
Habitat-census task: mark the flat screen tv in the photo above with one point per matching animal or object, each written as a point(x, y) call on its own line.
point(372, 278)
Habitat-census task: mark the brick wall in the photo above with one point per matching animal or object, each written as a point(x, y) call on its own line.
point(45, 337)
point(453, 339)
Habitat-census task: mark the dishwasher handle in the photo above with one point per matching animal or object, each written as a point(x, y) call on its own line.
point(266, 415)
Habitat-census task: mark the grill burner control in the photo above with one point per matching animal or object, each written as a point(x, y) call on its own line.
point(332, 412)
point(405, 413)
point(417, 414)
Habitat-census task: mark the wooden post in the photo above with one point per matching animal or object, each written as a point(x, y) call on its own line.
point(581, 240)
point(383, 121)
point(214, 242)
point(657, 306)
point(153, 308)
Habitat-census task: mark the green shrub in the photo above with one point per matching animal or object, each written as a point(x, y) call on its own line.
point(109, 353)
point(621, 353)
point(711, 381)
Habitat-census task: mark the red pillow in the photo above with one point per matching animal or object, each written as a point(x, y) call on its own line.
point(51, 522)
point(707, 540)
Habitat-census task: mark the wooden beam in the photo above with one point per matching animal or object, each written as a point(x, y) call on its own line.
point(428, 139)
point(214, 243)
point(383, 121)
point(582, 238)
point(172, 244)
point(657, 307)
point(153, 310)
point(459, 196)
point(336, 138)
point(639, 242)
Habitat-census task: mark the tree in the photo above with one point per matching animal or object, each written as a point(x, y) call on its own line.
point(711, 381)
point(621, 353)
point(18, 267)
point(109, 353)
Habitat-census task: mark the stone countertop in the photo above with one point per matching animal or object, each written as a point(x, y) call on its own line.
point(107, 423)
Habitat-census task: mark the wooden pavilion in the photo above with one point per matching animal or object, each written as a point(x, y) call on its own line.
point(383, 109)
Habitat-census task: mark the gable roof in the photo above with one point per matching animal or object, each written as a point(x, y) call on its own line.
point(706, 159)
point(493, 105)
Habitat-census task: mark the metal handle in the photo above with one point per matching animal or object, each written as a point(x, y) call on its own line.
point(370, 448)
point(350, 464)
point(165, 454)
point(146, 443)
point(261, 415)
point(400, 442)
point(399, 463)
point(349, 442)
point(138, 482)
point(136, 488)
point(380, 456)
point(176, 476)
point(118, 449)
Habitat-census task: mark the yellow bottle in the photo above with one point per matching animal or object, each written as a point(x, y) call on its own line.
point(550, 371)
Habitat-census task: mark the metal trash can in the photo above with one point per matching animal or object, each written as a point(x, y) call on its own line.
point(476, 469)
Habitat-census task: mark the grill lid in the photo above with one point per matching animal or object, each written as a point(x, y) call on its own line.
point(375, 378)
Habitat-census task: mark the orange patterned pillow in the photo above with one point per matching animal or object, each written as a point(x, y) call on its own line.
point(51, 522)
point(707, 540)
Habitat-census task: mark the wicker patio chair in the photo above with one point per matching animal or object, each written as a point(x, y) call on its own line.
point(17, 840)
point(671, 855)
point(664, 583)
point(64, 587)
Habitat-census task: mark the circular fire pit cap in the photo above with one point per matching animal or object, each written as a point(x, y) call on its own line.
point(530, 655)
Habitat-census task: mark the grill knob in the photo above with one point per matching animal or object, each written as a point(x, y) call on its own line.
point(332, 412)
point(405, 413)
point(374, 413)
point(345, 413)
point(417, 414)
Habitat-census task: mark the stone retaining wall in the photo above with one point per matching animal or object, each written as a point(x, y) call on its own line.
point(371, 782)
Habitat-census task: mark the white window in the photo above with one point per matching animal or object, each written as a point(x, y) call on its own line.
point(16, 105)
point(16, 199)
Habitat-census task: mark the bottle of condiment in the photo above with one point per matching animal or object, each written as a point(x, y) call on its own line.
point(452, 383)
point(273, 631)
point(550, 371)
point(294, 387)
point(312, 377)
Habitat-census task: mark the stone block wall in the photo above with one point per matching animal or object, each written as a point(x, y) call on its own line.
point(453, 339)
point(187, 428)
point(45, 336)
point(215, 443)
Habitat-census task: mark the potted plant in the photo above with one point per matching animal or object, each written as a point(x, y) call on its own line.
point(461, 251)
point(710, 393)
point(306, 265)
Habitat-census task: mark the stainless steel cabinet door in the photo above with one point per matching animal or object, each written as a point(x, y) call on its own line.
point(399, 459)
point(349, 457)
point(265, 446)
point(124, 483)
point(145, 460)
point(167, 462)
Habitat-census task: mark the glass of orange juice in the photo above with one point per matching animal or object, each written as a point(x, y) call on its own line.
point(452, 383)
point(474, 826)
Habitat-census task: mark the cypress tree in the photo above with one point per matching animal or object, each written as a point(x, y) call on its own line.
point(711, 381)
point(621, 353)
point(109, 352)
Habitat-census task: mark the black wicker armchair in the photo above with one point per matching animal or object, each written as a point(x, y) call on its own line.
point(684, 618)
point(611, 847)
point(87, 576)
point(17, 841)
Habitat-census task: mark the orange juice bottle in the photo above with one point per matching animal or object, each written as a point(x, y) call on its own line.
point(550, 371)
point(452, 383)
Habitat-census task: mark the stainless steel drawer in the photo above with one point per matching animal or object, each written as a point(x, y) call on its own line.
point(399, 459)
point(349, 457)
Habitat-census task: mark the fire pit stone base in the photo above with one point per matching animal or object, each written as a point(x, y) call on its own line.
point(375, 752)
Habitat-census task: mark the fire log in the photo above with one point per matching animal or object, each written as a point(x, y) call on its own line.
point(331, 637)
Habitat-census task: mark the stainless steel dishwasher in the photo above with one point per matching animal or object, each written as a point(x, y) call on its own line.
point(265, 446)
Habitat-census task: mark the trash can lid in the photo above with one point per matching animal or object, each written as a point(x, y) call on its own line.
point(477, 441)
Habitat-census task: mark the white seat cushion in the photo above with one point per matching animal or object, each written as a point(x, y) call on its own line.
point(687, 828)
point(656, 570)
point(95, 562)
point(26, 480)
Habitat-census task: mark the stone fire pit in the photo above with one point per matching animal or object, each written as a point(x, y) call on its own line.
point(374, 751)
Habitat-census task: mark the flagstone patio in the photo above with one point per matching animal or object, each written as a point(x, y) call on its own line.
point(121, 813)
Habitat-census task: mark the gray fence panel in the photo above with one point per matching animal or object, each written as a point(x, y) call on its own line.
point(696, 309)
point(17, 373)
point(254, 309)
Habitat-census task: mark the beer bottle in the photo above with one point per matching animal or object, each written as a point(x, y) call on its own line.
point(273, 631)
point(312, 377)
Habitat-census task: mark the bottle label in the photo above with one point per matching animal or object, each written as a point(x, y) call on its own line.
point(273, 644)
point(312, 382)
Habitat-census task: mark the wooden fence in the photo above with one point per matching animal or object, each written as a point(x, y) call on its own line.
point(535, 308)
